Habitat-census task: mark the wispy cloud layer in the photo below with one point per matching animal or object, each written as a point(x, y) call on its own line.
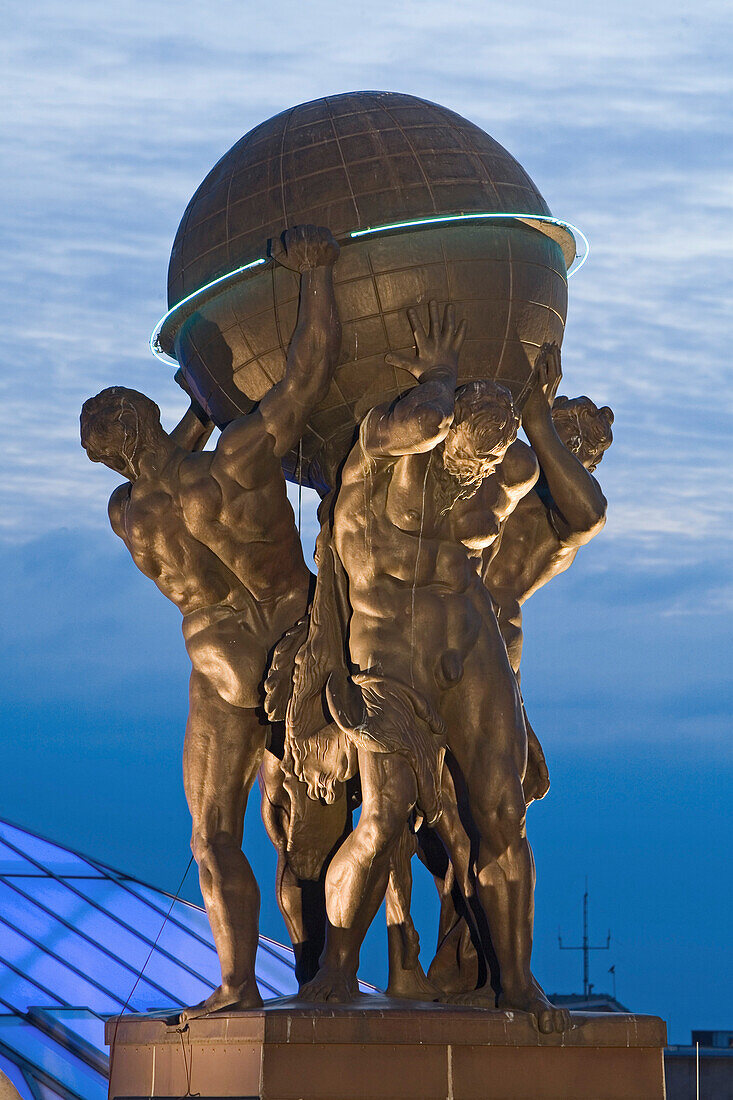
point(619, 114)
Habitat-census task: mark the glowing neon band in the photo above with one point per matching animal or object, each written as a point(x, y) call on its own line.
point(154, 345)
point(572, 229)
point(232, 276)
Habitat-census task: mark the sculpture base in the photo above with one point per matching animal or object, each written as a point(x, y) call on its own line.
point(380, 1049)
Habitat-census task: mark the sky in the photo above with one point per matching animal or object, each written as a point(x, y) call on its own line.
point(621, 115)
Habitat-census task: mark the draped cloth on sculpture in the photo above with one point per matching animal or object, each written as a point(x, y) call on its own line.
point(332, 711)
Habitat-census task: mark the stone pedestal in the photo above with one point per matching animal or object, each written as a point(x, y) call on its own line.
point(386, 1050)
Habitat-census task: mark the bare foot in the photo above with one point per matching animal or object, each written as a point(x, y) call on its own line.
point(533, 1000)
point(412, 985)
point(330, 985)
point(234, 998)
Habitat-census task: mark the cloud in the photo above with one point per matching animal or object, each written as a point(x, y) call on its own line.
point(618, 113)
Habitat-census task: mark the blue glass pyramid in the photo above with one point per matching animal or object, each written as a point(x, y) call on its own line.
point(74, 936)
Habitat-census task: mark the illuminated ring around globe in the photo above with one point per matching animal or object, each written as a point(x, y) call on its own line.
point(164, 333)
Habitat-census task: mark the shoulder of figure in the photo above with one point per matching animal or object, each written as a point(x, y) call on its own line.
point(367, 448)
point(520, 466)
point(115, 507)
point(245, 436)
point(244, 431)
point(194, 464)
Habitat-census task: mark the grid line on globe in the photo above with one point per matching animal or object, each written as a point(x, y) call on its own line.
point(352, 162)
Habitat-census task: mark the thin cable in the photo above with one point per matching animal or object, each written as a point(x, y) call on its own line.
point(300, 481)
point(150, 953)
point(187, 1062)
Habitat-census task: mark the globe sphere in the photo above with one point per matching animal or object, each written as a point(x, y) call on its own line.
point(356, 162)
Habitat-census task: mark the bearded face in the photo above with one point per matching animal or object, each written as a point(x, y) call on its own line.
point(483, 428)
point(464, 462)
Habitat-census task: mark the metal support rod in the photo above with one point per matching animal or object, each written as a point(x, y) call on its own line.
point(586, 947)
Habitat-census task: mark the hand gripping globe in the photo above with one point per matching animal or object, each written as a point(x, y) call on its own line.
point(424, 204)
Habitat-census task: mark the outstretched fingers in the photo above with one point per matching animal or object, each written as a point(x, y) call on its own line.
point(434, 314)
point(418, 329)
point(442, 341)
point(460, 336)
point(396, 359)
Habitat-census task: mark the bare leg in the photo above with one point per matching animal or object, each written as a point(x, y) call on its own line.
point(456, 966)
point(488, 739)
point(537, 778)
point(357, 877)
point(222, 752)
point(406, 976)
point(302, 900)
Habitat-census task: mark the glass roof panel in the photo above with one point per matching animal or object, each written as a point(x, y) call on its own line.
point(276, 971)
point(278, 975)
point(279, 949)
point(46, 1093)
point(191, 916)
point(86, 1025)
point(58, 860)
point(121, 940)
point(13, 863)
point(18, 991)
point(72, 948)
point(53, 974)
point(115, 898)
point(16, 1078)
point(200, 957)
point(46, 1054)
point(81, 939)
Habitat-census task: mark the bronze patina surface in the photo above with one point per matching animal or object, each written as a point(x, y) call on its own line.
point(394, 372)
point(350, 162)
point(215, 531)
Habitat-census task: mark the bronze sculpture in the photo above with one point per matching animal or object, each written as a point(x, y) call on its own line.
point(539, 540)
point(355, 162)
point(394, 680)
point(424, 491)
point(215, 531)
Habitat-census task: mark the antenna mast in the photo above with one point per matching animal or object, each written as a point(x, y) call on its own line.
point(585, 947)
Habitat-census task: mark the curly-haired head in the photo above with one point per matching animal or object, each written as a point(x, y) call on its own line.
point(484, 425)
point(117, 425)
point(584, 428)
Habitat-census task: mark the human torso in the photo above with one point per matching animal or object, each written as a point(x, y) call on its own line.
point(229, 557)
point(414, 588)
point(249, 527)
point(149, 519)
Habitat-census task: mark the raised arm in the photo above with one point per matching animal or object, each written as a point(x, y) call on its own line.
point(578, 505)
point(420, 420)
point(193, 431)
point(316, 342)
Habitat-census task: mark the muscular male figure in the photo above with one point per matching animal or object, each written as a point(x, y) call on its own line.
point(423, 492)
point(216, 533)
point(539, 540)
point(564, 511)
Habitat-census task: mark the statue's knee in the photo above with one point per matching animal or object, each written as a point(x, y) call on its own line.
point(379, 831)
point(210, 848)
point(501, 819)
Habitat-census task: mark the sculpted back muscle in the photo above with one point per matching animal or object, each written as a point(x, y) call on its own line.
point(530, 552)
point(149, 521)
point(250, 527)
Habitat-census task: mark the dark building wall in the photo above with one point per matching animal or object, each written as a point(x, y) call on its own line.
point(716, 1074)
